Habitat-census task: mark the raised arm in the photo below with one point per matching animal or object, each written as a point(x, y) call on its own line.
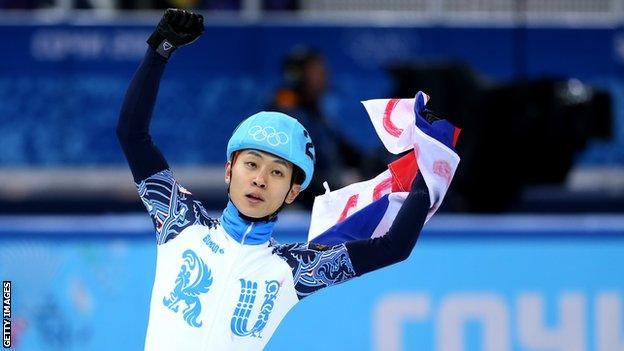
point(370, 254)
point(176, 28)
point(170, 205)
point(372, 237)
point(143, 156)
point(316, 266)
point(352, 246)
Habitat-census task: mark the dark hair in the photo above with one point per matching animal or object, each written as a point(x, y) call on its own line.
point(298, 175)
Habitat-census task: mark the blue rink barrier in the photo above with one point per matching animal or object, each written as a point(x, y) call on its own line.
point(472, 283)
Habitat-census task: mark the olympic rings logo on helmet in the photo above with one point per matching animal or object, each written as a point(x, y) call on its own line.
point(272, 136)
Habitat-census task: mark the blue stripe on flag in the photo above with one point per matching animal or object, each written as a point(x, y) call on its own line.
point(359, 225)
point(441, 130)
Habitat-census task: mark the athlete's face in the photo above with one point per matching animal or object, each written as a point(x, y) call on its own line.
point(260, 183)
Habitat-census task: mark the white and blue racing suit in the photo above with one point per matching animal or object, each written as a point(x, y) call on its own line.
point(223, 283)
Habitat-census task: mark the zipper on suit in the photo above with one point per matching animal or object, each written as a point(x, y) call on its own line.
point(246, 233)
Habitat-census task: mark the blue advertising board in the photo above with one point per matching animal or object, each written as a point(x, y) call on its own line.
point(61, 85)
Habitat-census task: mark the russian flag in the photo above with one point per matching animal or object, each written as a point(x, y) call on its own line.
point(367, 209)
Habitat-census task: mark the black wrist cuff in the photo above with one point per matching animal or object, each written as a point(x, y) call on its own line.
point(160, 44)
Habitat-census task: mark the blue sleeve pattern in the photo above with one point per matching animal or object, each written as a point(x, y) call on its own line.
point(316, 266)
point(171, 206)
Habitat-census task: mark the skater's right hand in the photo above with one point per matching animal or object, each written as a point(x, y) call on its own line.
point(175, 29)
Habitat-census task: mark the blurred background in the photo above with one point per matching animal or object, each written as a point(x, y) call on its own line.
point(526, 253)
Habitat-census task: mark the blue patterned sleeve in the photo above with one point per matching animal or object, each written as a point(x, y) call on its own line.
point(315, 266)
point(171, 206)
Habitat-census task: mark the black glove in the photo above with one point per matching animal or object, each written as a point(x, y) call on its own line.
point(176, 28)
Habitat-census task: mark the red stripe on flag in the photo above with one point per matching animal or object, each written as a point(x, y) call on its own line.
point(456, 135)
point(352, 202)
point(385, 186)
point(403, 171)
point(387, 120)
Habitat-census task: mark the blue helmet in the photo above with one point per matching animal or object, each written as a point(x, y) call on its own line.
point(277, 134)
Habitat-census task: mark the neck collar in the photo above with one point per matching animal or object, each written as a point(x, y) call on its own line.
point(244, 229)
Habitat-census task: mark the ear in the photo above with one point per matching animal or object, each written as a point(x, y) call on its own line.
point(228, 172)
point(292, 194)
